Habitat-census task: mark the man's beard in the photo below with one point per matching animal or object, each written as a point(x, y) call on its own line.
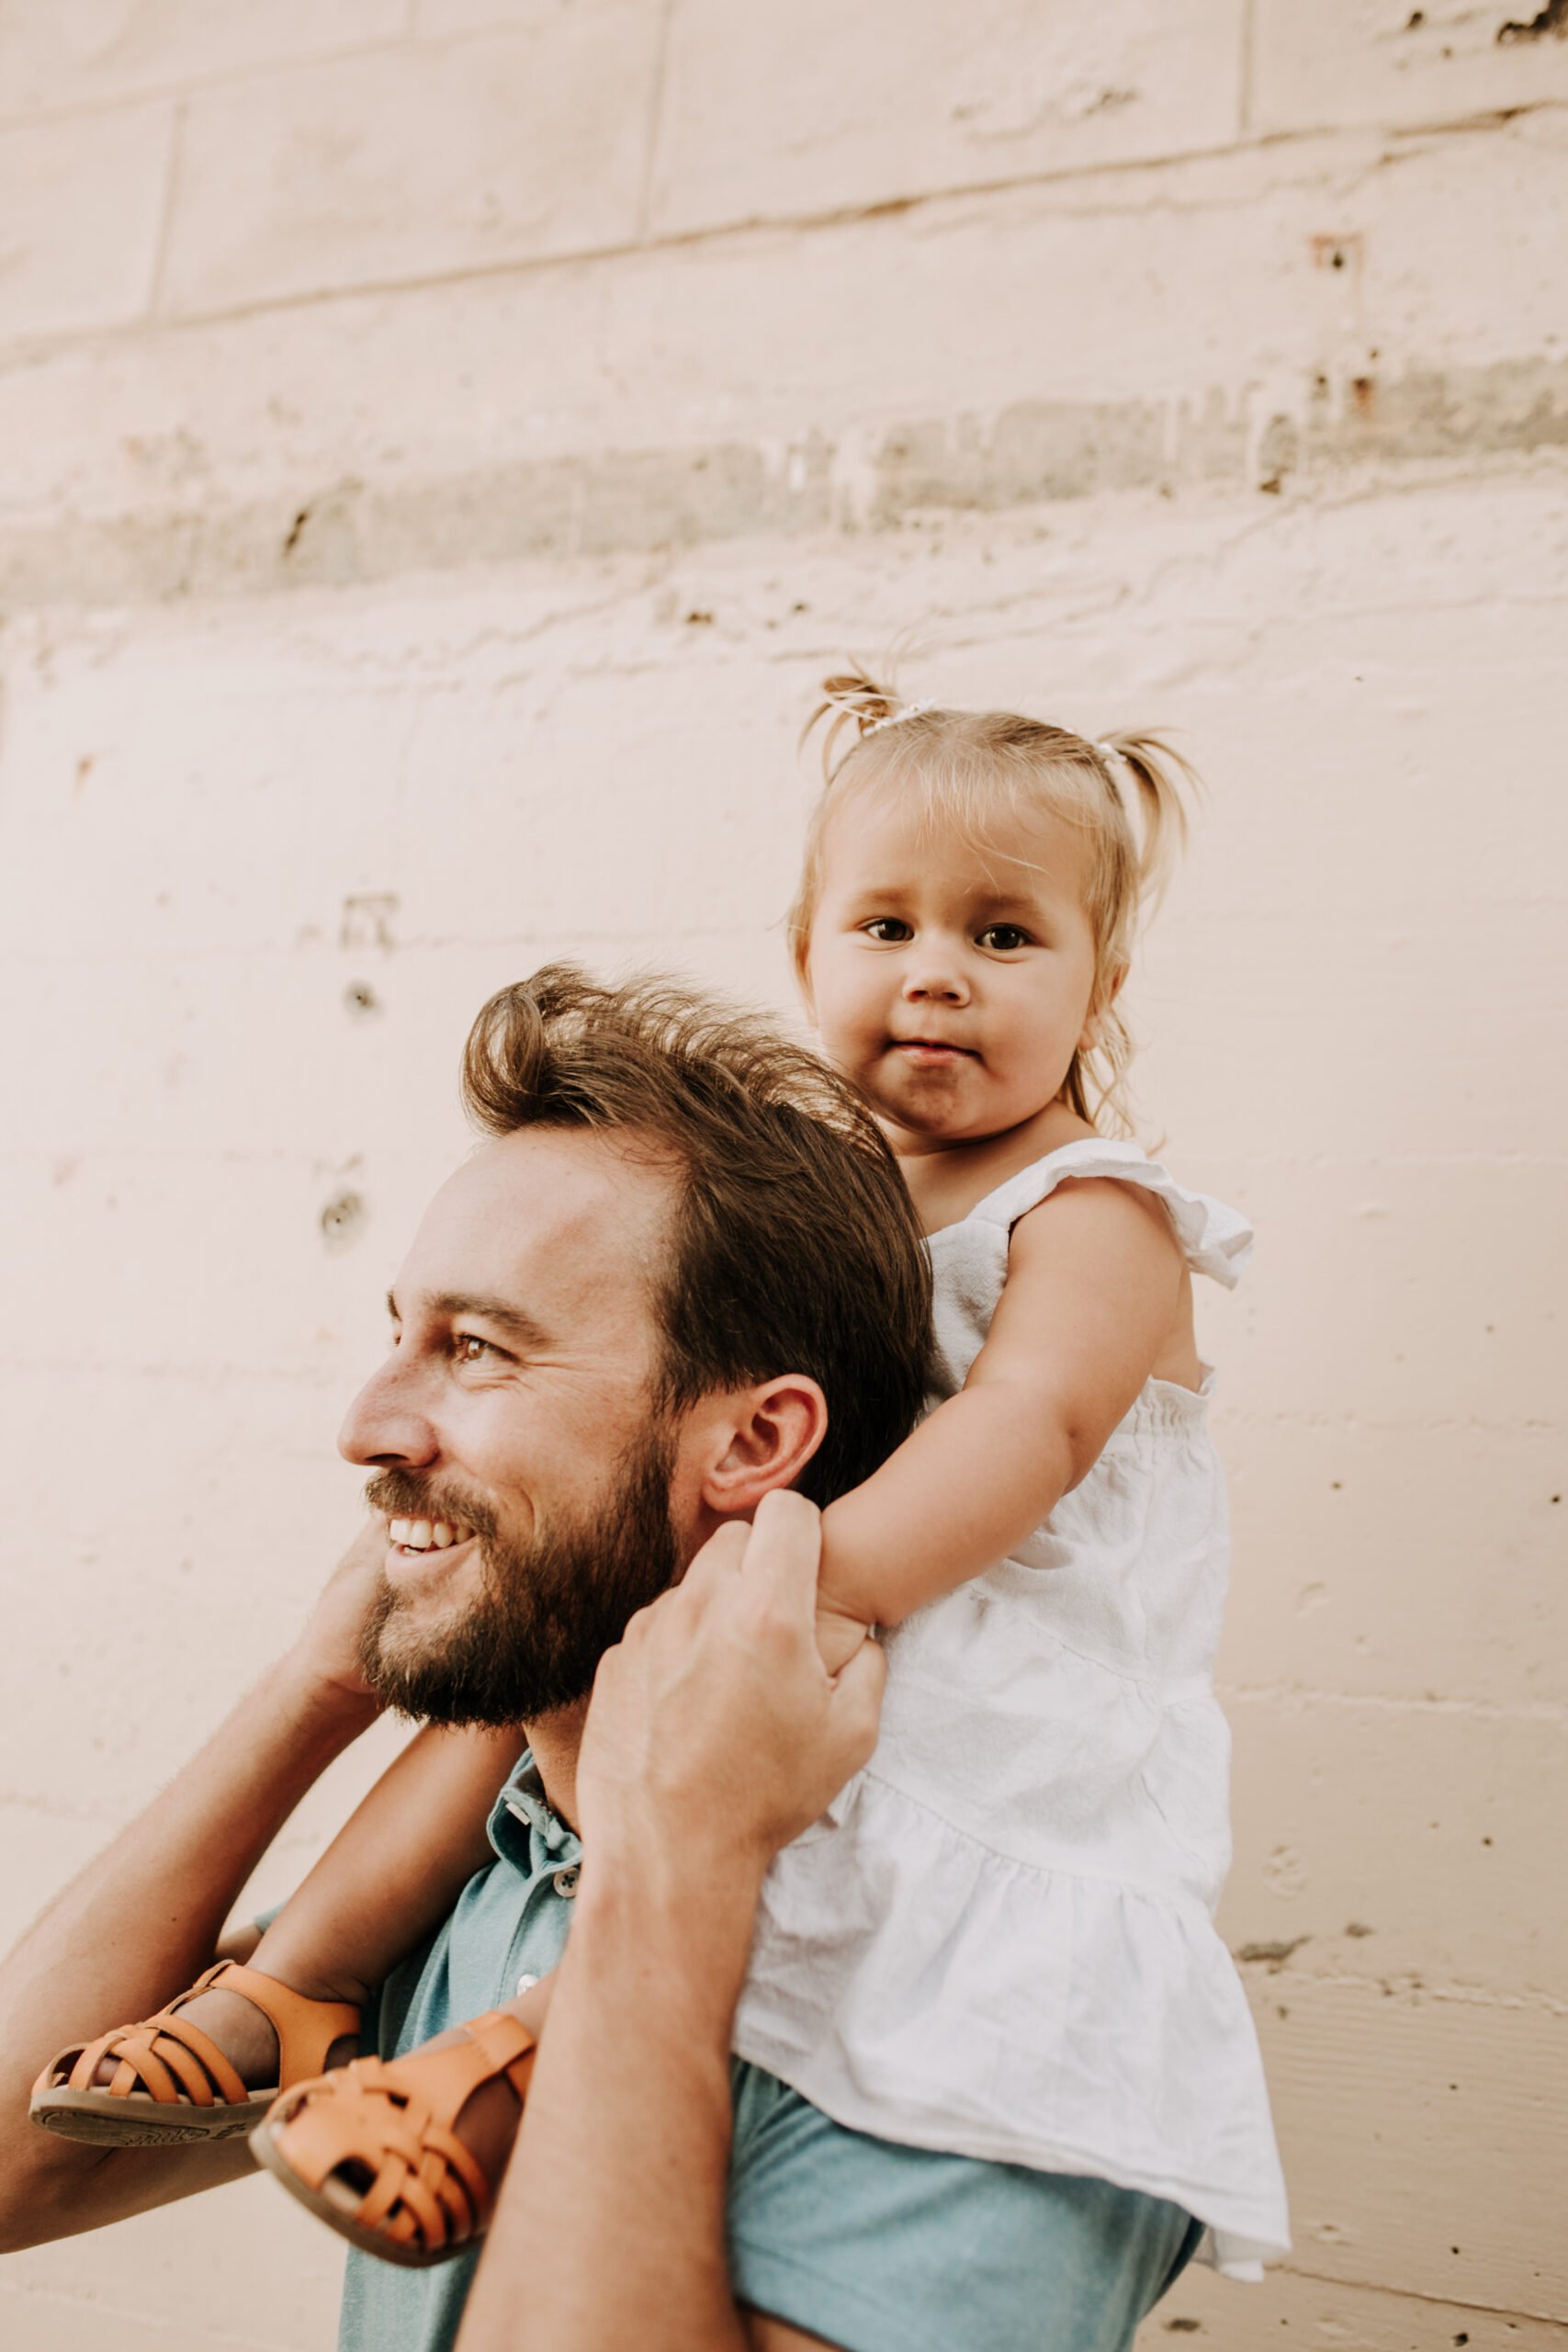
point(548, 1608)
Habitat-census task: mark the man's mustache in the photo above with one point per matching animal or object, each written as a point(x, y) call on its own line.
point(401, 1493)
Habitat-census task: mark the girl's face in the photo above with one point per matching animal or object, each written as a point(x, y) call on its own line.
point(951, 983)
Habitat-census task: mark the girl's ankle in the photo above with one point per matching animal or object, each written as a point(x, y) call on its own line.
point(310, 1985)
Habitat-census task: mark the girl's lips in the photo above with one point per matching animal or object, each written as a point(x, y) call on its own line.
point(929, 1052)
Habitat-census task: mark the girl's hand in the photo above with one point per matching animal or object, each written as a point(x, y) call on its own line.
point(839, 1634)
point(328, 1647)
point(713, 1735)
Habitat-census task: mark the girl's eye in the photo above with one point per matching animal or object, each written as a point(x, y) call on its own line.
point(889, 929)
point(1003, 936)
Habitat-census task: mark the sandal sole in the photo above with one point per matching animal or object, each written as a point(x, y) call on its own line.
point(267, 2152)
point(137, 2121)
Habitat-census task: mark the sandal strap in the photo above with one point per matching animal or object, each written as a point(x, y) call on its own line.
point(170, 2057)
point(305, 2029)
point(437, 2083)
point(137, 2062)
point(395, 2118)
point(165, 2055)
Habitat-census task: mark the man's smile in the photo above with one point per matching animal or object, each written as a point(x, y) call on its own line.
point(417, 1544)
point(427, 1534)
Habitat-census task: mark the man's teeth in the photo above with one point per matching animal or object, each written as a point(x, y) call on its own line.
point(424, 1534)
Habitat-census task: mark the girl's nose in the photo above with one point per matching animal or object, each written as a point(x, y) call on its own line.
point(933, 977)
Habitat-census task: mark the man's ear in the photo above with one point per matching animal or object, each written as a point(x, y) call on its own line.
point(768, 1435)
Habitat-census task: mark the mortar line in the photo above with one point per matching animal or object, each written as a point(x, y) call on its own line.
point(149, 2318)
point(1418, 1995)
point(193, 86)
point(1419, 2295)
point(1244, 88)
point(782, 224)
point(166, 214)
point(654, 141)
point(1549, 1712)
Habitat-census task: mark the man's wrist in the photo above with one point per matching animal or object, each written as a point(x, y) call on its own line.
point(679, 1916)
point(319, 1705)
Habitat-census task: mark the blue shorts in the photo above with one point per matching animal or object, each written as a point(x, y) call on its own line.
point(880, 2248)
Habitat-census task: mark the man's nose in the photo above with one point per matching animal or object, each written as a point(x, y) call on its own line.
point(384, 1428)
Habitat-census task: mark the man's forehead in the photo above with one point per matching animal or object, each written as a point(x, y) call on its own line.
point(565, 1206)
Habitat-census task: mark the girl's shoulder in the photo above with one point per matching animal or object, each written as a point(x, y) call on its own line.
point(1214, 1240)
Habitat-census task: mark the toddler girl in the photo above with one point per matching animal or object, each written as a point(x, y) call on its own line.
point(998, 1942)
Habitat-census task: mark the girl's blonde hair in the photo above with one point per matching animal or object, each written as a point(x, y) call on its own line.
point(956, 767)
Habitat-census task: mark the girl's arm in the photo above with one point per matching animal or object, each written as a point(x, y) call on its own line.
point(1094, 1277)
point(396, 1868)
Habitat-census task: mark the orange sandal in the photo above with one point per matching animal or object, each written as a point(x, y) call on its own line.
point(370, 2148)
point(173, 2083)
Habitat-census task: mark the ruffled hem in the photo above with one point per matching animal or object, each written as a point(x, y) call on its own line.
point(918, 1987)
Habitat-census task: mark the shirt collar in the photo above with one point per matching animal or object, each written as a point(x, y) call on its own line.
point(523, 1829)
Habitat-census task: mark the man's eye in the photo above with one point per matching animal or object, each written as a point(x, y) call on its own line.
point(471, 1350)
point(1003, 936)
point(889, 929)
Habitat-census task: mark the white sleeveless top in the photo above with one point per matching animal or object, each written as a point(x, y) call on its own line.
point(1000, 1938)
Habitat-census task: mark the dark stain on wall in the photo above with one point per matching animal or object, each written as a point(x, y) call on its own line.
point(1035, 452)
point(1552, 19)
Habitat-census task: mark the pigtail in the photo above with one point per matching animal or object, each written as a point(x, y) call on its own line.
point(1155, 805)
point(1146, 776)
point(850, 698)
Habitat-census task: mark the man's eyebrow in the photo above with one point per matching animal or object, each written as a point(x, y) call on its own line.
point(516, 1321)
point(451, 1304)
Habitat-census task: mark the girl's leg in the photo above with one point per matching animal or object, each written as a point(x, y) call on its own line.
point(425, 2138)
point(395, 1869)
point(487, 2122)
point(392, 1872)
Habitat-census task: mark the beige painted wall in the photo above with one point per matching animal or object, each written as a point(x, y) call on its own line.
point(441, 444)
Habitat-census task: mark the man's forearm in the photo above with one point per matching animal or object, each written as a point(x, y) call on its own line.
point(610, 2225)
point(132, 1930)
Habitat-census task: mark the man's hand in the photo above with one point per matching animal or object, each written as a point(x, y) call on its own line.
point(327, 1651)
point(714, 1736)
point(714, 1725)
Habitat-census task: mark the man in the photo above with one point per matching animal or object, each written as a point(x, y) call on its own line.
point(619, 1332)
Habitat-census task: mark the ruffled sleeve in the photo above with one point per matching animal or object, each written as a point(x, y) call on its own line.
point(1215, 1240)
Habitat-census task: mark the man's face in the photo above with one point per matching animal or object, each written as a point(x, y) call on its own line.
point(537, 1499)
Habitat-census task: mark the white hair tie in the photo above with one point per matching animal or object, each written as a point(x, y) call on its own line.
point(897, 717)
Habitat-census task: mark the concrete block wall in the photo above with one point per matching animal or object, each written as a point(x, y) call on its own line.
point(441, 447)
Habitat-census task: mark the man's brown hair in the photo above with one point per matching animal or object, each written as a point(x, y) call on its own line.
point(794, 1246)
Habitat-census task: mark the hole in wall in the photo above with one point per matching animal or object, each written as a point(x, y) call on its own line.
point(343, 1220)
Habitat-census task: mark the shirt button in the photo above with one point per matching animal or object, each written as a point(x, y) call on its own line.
point(525, 1984)
point(565, 1880)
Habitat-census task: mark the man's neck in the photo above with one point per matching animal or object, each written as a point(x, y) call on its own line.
point(555, 1740)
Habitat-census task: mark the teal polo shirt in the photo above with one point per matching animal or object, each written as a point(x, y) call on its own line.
point(511, 1921)
point(871, 2246)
